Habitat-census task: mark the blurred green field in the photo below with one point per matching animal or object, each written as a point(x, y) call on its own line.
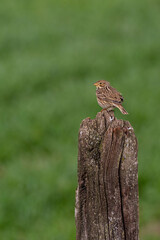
point(51, 53)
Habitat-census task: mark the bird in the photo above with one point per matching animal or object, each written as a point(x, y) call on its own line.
point(108, 97)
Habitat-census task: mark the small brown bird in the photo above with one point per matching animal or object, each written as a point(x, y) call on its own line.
point(108, 97)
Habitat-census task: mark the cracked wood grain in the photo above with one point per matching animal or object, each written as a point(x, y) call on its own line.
point(107, 192)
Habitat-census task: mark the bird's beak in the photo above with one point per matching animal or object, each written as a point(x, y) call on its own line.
point(95, 84)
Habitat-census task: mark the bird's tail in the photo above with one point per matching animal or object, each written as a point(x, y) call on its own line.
point(121, 109)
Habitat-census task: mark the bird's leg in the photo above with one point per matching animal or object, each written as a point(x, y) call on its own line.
point(103, 109)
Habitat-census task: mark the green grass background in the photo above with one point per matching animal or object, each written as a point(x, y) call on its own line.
point(51, 53)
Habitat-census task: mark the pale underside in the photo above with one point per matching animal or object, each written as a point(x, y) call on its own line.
point(105, 105)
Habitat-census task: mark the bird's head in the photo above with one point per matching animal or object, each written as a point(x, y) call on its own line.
point(101, 84)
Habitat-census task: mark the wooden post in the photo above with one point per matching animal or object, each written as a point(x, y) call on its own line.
point(107, 192)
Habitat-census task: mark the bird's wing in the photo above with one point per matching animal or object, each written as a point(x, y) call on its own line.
point(110, 94)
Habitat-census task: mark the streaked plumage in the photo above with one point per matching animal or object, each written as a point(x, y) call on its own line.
point(108, 97)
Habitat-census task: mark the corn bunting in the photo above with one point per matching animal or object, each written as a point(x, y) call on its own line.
point(108, 97)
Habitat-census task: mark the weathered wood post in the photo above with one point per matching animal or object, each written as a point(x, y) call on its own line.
point(107, 192)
